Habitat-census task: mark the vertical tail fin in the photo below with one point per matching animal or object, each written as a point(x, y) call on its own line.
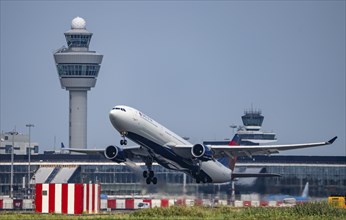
point(305, 193)
point(234, 142)
point(230, 161)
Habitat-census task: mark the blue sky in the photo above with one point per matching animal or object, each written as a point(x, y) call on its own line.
point(192, 66)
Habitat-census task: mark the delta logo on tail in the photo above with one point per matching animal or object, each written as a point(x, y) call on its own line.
point(231, 161)
point(234, 142)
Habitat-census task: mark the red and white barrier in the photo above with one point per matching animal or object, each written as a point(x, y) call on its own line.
point(91, 202)
point(136, 203)
point(67, 198)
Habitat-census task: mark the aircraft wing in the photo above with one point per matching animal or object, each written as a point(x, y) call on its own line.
point(223, 150)
point(130, 151)
point(245, 150)
point(85, 151)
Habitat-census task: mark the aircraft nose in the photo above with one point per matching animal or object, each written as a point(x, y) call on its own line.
point(117, 118)
point(114, 115)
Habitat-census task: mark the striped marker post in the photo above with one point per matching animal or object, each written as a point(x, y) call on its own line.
point(67, 198)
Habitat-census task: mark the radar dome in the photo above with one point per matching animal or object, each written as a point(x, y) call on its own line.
point(78, 23)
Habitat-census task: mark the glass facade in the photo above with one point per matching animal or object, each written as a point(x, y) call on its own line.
point(323, 179)
point(78, 40)
point(251, 136)
point(70, 70)
point(326, 176)
point(252, 118)
point(8, 149)
point(20, 173)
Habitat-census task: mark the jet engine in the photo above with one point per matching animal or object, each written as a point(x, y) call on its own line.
point(201, 152)
point(115, 154)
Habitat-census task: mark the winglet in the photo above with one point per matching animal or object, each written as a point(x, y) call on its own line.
point(332, 140)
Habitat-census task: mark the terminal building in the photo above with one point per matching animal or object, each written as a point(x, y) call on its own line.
point(19, 141)
point(326, 176)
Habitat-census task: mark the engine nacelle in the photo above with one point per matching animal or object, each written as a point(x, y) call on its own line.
point(201, 152)
point(115, 154)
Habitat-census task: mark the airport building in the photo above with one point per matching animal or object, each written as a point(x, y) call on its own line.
point(250, 133)
point(78, 69)
point(326, 175)
point(20, 142)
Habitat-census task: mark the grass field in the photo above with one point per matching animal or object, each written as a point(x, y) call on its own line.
point(319, 210)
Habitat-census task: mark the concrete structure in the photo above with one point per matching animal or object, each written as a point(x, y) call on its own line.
point(78, 69)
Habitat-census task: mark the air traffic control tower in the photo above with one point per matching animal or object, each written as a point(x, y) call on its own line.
point(78, 69)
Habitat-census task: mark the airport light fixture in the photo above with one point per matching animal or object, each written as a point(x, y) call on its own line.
point(29, 156)
point(12, 159)
point(233, 126)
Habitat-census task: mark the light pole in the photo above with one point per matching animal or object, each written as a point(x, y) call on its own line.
point(233, 126)
point(12, 155)
point(29, 156)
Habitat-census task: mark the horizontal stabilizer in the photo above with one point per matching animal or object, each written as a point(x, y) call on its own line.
point(248, 175)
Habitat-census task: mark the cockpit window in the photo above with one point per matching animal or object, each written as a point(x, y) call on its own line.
point(117, 108)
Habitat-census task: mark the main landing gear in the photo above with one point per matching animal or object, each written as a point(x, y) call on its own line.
point(198, 175)
point(149, 174)
point(203, 179)
point(150, 178)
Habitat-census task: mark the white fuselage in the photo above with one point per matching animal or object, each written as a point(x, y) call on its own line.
point(157, 139)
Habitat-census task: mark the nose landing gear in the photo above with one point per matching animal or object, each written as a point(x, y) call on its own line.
point(123, 141)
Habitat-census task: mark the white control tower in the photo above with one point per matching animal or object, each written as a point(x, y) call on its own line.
point(78, 69)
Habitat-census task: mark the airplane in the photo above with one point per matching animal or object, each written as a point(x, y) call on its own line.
point(304, 197)
point(158, 144)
